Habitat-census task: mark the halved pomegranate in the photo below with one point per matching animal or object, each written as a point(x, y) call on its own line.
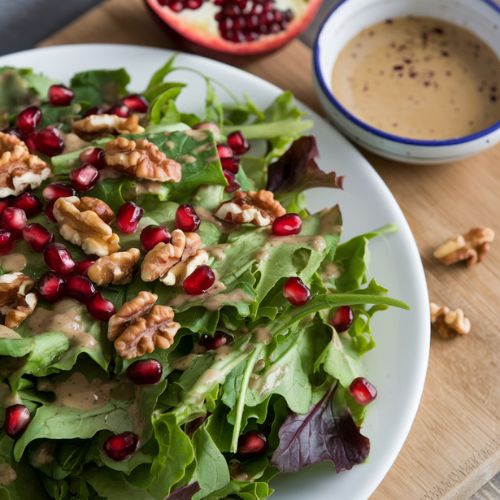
point(241, 27)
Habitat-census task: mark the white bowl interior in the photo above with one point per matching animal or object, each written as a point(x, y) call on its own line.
point(352, 16)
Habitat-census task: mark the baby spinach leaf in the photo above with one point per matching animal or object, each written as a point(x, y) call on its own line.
point(95, 87)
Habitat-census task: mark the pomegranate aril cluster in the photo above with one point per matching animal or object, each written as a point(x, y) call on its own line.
point(247, 21)
point(236, 145)
point(180, 5)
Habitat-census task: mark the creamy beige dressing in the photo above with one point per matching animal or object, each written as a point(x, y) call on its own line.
point(7, 333)
point(217, 251)
point(43, 455)
point(269, 380)
point(73, 143)
point(329, 271)
point(13, 262)
point(187, 159)
point(78, 393)
point(184, 362)
point(222, 352)
point(317, 242)
point(7, 474)
point(211, 376)
point(262, 254)
point(419, 77)
point(66, 317)
point(263, 335)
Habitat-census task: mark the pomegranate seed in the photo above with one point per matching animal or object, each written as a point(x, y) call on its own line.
point(232, 184)
point(14, 219)
point(224, 151)
point(362, 391)
point(238, 143)
point(286, 225)
point(82, 266)
point(4, 203)
point(193, 4)
point(80, 288)
point(49, 141)
point(136, 103)
point(119, 110)
point(93, 156)
point(100, 307)
point(28, 119)
point(60, 95)
point(37, 236)
point(51, 287)
point(230, 164)
point(199, 281)
point(296, 292)
point(17, 418)
point(215, 341)
point(84, 178)
point(7, 241)
point(128, 217)
point(145, 372)
point(120, 446)
point(58, 258)
point(252, 443)
point(49, 210)
point(152, 235)
point(187, 219)
point(57, 190)
point(30, 141)
point(342, 319)
point(29, 203)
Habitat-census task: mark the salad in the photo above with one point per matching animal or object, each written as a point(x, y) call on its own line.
point(175, 322)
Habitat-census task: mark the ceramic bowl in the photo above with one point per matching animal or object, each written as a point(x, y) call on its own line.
point(347, 19)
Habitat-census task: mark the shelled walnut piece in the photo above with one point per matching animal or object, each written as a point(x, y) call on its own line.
point(115, 269)
point(141, 159)
point(19, 169)
point(98, 125)
point(139, 326)
point(101, 208)
point(470, 248)
point(16, 304)
point(163, 258)
point(449, 323)
point(84, 228)
point(255, 207)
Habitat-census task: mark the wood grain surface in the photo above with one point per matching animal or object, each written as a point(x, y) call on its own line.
point(454, 445)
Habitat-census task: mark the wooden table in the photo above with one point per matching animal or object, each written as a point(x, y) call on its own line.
point(454, 445)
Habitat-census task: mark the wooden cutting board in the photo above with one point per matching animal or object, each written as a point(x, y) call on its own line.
point(454, 445)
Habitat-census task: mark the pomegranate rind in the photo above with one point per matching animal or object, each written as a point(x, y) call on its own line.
point(266, 43)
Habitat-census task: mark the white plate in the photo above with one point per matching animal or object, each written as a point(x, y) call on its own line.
point(398, 365)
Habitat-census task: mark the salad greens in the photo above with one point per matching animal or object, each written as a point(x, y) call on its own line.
point(283, 375)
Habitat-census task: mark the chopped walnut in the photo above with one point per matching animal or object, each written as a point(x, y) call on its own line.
point(19, 169)
point(116, 268)
point(16, 304)
point(180, 271)
point(164, 256)
point(139, 326)
point(141, 159)
point(101, 208)
point(258, 208)
point(95, 125)
point(84, 228)
point(470, 248)
point(448, 323)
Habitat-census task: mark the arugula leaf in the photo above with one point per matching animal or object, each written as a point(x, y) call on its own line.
point(320, 435)
point(95, 87)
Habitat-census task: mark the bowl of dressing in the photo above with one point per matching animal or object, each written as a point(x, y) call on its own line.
point(416, 81)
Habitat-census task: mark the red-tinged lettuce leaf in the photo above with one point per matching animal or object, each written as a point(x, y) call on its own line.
point(318, 436)
point(297, 169)
point(185, 493)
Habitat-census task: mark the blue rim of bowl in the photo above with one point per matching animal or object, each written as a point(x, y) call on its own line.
point(385, 135)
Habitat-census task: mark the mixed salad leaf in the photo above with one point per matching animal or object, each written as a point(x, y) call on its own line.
point(252, 384)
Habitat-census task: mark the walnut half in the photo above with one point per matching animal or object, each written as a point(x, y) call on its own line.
point(116, 268)
point(258, 208)
point(448, 322)
point(19, 169)
point(16, 304)
point(139, 326)
point(84, 227)
point(96, 125)
point(141, 159)
point(470, 248)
